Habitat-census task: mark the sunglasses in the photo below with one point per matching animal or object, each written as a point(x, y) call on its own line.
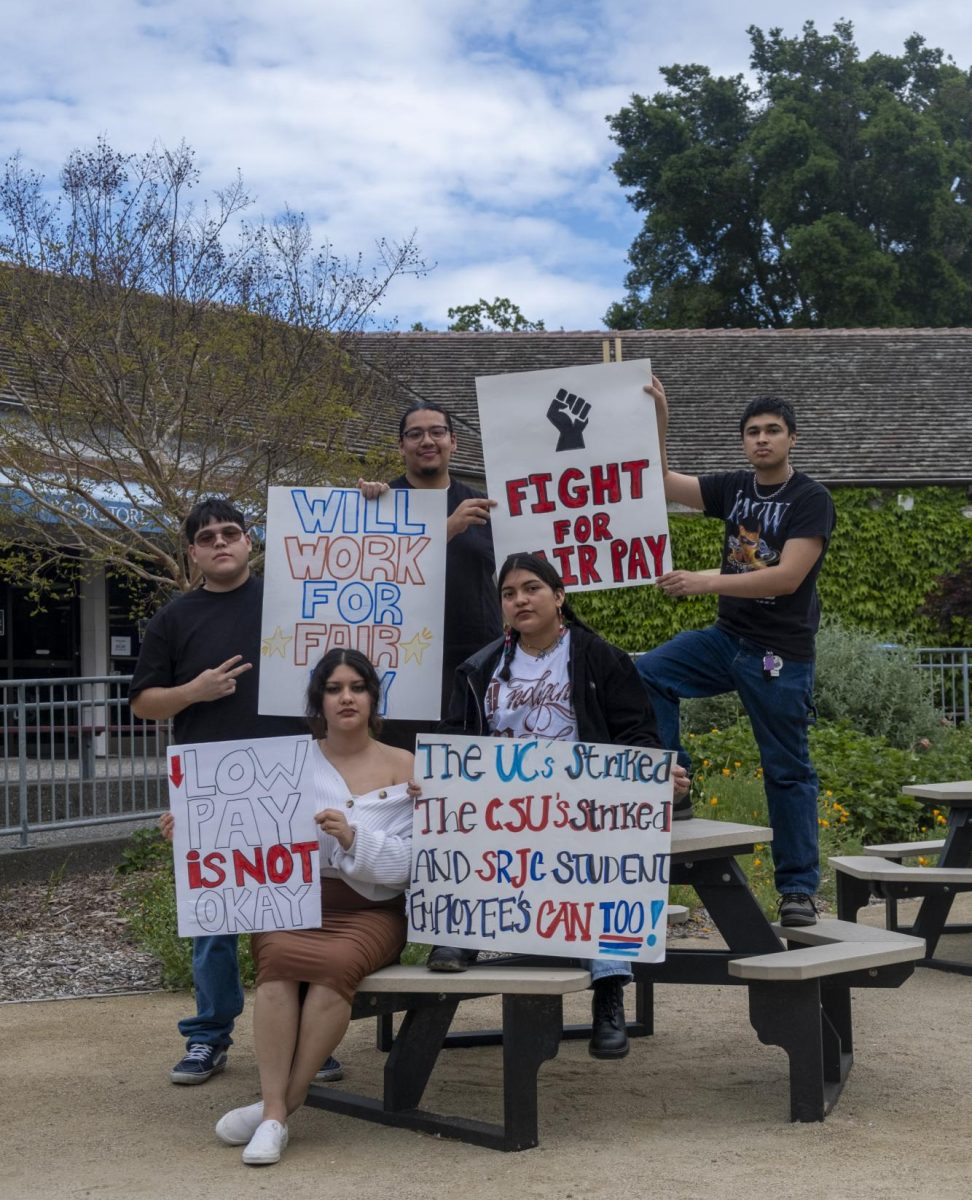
point(229, 534)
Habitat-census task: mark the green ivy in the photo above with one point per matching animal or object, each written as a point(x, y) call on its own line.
point(882, 562)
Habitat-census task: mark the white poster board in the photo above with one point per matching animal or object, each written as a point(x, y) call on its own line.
point(358, 574)
point(572, 461)
point(537, 847)
point(245, 846)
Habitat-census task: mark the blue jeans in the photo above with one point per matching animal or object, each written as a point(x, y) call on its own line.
point(708, 662)
point(602, 968)
point(219, 994)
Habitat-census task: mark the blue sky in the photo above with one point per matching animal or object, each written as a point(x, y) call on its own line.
point(480, 125)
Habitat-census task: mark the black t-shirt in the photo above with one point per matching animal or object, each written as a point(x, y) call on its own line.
point(756, 532)
point(472, 614)
point(195, 632)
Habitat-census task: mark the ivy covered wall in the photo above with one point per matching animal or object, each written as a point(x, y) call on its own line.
point(882, 561)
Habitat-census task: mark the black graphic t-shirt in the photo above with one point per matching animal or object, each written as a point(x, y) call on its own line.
point(756, 532)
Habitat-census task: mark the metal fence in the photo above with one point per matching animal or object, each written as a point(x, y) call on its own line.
point(948, 670)
point(73, 754)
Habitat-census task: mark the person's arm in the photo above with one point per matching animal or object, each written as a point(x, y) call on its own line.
point(682, 489)
point(472, 511)
point(161, 703)
point(372, 855)
point(796, 562)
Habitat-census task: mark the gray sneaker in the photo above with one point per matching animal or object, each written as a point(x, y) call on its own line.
point(198, 1063)
point(797, 908)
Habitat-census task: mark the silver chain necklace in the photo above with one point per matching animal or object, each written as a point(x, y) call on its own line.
point(773, 495)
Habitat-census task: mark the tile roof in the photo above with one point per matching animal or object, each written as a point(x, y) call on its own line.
point(889, 407)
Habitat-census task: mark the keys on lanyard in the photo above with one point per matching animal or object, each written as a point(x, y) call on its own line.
point(772, 665)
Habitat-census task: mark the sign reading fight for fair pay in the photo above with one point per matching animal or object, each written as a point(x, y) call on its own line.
point(572, 461)
point(245, 846)
point(369, 575)
point(536, 847)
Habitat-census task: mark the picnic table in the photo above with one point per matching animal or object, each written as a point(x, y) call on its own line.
point(882, 872)
point(799, 983)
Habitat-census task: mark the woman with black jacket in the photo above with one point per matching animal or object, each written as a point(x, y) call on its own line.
point(551, 676)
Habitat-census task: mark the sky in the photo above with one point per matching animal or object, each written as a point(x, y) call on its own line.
point(479, 125)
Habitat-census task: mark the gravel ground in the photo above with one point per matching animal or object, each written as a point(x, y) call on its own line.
point(67, 938)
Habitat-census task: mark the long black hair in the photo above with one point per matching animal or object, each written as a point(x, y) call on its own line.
point(361, 665)
point(546, 574)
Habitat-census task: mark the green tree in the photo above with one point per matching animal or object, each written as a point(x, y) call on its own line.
point(157, 349)
point(485, 317)
point(833, 191)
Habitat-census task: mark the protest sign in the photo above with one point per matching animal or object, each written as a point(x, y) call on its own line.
point(572, 461)
point(541, 847)
point(245, 845)
point(369, 575)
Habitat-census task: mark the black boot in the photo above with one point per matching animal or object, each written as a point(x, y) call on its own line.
point(609, 1036)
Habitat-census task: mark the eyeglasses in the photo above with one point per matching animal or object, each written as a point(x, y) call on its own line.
point(438, 433)
point(229, 534)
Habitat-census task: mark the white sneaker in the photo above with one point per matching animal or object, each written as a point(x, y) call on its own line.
point(267, 1144)
point(236, 1127)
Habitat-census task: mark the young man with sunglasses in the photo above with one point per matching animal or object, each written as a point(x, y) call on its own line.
point(199, 666)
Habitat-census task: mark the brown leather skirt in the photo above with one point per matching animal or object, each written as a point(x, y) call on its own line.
point(357, 936)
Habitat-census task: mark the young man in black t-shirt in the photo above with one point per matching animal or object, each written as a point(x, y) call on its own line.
point(199, 666)
point(778, 522)
point(472, 617)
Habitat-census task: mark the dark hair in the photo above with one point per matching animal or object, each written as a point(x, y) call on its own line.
point(546, 574)
point(424, 406)
point(212, 508)
point(769, 404)
point(358, 663)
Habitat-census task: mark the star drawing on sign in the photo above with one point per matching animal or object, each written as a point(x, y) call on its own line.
point(276, 643)
point(415, 647)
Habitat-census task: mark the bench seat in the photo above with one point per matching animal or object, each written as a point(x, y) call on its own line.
point(533, 1021)
point(906, 849)
point(882, 870)
point(833, 948)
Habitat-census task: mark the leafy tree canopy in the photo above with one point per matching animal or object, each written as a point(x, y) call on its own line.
point(830, 192)
point(158, 349)
point(485, 317)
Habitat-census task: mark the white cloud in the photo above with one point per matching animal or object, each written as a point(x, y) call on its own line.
point(480, 125)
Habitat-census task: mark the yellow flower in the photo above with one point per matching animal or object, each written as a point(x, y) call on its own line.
point(737, 763)
point(922, 861)
point(726, 771)
point(828, 792)
point(824, 822)
point(713, 800)
point(713, 730)
point(940, 820)
point(757, 862)
point(706, 762)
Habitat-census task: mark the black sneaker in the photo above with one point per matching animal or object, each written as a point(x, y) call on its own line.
point(331, 1072)
point(682, 808)
point(199, 1062)
point(609, 1035)
point(451, 958)
point(797, 908)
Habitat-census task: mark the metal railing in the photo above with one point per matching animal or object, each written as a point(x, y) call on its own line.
point(73, 754)
point(948, 670)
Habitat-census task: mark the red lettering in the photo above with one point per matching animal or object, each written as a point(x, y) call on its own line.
point(212, 863)
point(606, 484)
point(242, 866)
point(489, 861)
point(568, 498)
point(601, 530)
point(561, 529)
point(515, 495)
point(280, 864)
point(635, 470)
point(618, 548)
point(304, 850)
point(587, 564)
point(566, 572)
point(543, 504)
point(192, 869)
point(656, 548)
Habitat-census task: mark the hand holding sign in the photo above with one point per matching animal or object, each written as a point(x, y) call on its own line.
point(569, 414)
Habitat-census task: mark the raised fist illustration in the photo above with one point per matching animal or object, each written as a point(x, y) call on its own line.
point(569, 415)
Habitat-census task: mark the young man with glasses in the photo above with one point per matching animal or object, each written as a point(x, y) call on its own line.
point(472, 617)
point(778, 523)
point(199, 666)
point(427, 442)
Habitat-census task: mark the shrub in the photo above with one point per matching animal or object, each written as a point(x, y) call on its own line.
point(877, 689)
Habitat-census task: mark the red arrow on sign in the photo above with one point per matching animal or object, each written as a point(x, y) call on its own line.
point(175, 772)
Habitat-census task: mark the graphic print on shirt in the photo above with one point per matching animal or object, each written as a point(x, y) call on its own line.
point(750, 552)
point(538, 706)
